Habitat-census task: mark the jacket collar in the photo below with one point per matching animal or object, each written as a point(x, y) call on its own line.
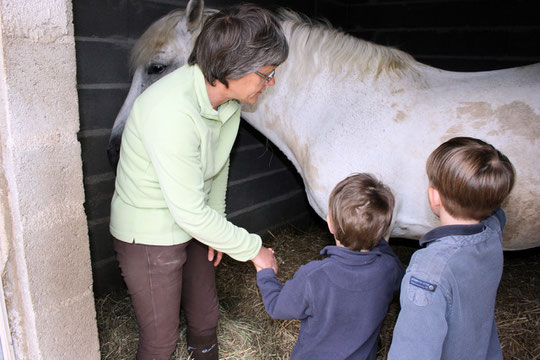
point(226, 110)
point(350, 257)
point(451, 230)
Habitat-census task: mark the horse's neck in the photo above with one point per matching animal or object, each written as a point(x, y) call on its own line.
point(305, 101)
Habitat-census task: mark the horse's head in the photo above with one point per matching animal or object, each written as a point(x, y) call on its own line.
point(164, 47)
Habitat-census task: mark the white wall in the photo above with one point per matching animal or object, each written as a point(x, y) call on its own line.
point(44, 252)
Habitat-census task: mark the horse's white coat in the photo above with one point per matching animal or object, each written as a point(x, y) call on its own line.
point(332, 119)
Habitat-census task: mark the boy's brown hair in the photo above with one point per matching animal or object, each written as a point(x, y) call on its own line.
point(472, 177)
point(360, 209)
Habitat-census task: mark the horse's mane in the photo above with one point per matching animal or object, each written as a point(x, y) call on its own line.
point(320, 45)
point(316, 43)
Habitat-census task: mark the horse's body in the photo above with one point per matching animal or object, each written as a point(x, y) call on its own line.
point(342, 105)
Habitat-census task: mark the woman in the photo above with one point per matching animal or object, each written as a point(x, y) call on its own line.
point(168, 209)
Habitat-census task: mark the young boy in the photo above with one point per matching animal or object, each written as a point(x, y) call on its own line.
point(343, 299)
point(448, 293)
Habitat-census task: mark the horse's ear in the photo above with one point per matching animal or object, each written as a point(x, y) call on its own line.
point(194, 14)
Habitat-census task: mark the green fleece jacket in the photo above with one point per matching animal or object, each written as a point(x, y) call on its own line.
point(174, 163)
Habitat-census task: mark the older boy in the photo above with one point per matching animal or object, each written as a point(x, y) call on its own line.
point(343, 299)
point(448, 293)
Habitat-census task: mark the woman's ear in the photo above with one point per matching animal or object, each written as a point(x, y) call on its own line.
point(434, 200)
point(329, 222)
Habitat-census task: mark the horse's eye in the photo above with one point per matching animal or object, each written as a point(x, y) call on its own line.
point(156, 69)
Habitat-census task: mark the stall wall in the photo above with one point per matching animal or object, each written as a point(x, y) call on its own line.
point(462, 35)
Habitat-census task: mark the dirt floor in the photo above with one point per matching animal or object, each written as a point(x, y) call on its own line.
point(247, 332)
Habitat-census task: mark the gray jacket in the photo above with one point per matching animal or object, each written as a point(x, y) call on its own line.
point(448, 294)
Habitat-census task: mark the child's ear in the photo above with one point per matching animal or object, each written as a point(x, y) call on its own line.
point(329, 222)
point(434, 200)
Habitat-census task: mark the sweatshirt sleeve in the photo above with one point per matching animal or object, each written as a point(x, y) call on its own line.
point(421, 326)
point(174, 149)
point(285, 302)
point(216, 198)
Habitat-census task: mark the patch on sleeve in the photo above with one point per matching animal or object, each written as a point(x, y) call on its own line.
point(422, 284)
point(421, 292)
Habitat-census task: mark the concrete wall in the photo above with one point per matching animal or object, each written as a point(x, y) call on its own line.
point(44, 256)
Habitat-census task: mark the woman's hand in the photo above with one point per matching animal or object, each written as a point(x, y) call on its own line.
point(213, 253)
point(265, 259)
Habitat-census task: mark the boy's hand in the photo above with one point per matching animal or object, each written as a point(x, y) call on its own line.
point(265, 260)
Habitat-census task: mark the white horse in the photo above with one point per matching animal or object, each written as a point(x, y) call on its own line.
point(342, 105)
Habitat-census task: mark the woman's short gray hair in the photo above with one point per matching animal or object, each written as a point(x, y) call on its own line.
point(237, 41)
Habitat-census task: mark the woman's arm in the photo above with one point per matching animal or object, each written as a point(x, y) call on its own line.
point(173, 146)
point(216, 198)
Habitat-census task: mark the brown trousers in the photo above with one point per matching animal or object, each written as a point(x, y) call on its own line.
point(160, 281)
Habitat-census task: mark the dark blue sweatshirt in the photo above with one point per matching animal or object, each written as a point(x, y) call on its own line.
point(341, 300)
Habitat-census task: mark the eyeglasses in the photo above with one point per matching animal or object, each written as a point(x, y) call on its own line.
point(267, 78)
